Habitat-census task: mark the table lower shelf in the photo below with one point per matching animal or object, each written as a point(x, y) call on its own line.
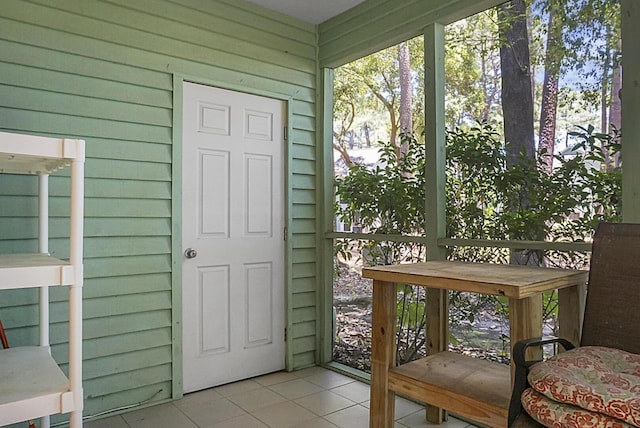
point(32, 385)
point(476, 389)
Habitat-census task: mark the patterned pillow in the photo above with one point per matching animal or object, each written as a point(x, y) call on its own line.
point(561, 415)
point(598, 379)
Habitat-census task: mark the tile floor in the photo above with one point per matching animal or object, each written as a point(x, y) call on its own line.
point(309, 398)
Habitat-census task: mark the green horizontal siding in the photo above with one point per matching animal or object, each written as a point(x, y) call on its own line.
point(129, 323)
point(115, 383)
point(117, 286)
point(103, 71)
point(94, 207)
point(304, 240)
point(306, 359)
point(103, 74)
point(305, 284)
point(149, 393)
point(304, 255)
point(304, 270)
point(304, 152)
point(103, 307)
point(96, 188)
point(109, 365)
point(306, 329)
point(304, 211)
point(301, 315)
point(81, 105)
point(302, 300)
point(115, 345)
point(62, 82)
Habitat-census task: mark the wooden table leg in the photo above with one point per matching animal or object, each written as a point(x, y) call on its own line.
point(571, 301)
point(437, 338)
point(525, 322)
point(383, 354)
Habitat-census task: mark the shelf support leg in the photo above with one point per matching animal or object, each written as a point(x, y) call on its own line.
point(525, 322)
point(43, 247)
point(75, 291)
point(571, 302)
point(437, 338)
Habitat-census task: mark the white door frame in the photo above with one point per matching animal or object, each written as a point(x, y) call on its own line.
point(176, 216)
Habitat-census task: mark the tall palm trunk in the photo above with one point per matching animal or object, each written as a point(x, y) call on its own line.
point(517, 99)
point(517, 106)
point(549, 105)
point(406, 94)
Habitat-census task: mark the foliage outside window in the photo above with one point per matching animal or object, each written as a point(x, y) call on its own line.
point(553, 179)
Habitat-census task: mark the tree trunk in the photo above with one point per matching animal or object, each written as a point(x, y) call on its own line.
point(367, 137)
point(406, 94)
point(340, 137)
point(604, 92)
point(615, 108)
point(549, 105)
point(517, 106)
point(342, 150)
point(490, 85)
point(517, 99)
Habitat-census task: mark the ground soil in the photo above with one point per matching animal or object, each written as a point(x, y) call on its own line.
point(484, 338)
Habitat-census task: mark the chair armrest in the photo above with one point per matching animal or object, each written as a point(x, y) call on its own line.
point(520, 382)
point(520, 348)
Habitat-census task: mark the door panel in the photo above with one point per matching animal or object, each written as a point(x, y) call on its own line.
point(214, 199)
point(259, 314)
point(213, 318)
point(233, 216)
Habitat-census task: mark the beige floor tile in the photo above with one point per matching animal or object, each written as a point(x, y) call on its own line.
point(274, 378)
point(200, 397)
point(244, 421)
point(354, 391)
point(309, 371)
point(284, 415)
point(329, 379)
point(417, 420)
point(257, 399)
point(403, 407)
point(403, 411)
point(324, 402)
point(310, 398)
point(206, 414)
point(351, 417)
point(406, 407)
point(295, 389)
point(237, 387)
point(163, 415)
point(315, 423)
point(111, 422)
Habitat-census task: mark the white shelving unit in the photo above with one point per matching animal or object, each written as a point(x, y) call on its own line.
point(31, 383)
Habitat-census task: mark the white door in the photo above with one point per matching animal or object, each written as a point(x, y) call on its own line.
point(233, 220)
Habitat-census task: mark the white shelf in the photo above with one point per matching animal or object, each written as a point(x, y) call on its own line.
point(32, 385)
point(34, 270)
point(28, 154)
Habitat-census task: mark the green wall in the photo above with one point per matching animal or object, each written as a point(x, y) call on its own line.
point(104, 72)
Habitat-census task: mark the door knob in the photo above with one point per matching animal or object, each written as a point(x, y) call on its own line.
point(190, 253)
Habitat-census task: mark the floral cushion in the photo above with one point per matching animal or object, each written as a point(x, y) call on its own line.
point(598, 379)
point(552, 414)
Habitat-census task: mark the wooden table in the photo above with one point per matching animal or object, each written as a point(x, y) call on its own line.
point(477, 389)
